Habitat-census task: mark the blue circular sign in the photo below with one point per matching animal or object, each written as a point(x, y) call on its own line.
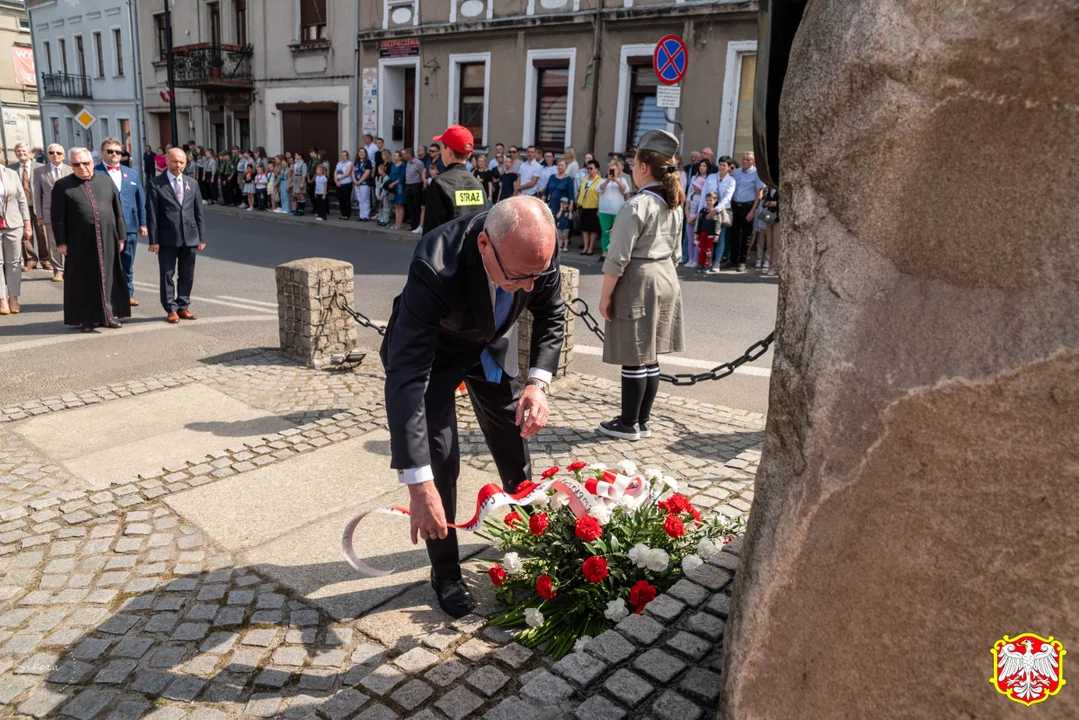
point(670, 60)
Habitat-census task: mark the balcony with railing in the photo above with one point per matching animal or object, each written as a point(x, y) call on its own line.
point(66, 85)
point(208, 67)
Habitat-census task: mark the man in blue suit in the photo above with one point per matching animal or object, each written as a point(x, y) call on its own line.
point(174, 216)
point(132, 200)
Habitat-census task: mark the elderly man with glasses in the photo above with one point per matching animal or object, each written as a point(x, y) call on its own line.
point(45, 177)
point(456, 319)
point(132, 199)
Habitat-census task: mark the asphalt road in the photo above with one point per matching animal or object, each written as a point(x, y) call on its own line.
point(235, 298)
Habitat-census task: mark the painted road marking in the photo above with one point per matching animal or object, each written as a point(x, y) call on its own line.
point(242, 306)
point(129, 328)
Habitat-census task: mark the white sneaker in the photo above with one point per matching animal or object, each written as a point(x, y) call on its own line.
point(318, 218)
point(758, 265)
point(766, 265)
point(691, 265)
point(250, 209)
point(418, 231)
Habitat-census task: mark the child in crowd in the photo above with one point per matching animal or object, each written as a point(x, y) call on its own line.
point(706, 232)
point(260, 187)
point(271, 184)
point(249, 187)
point(322, 200)
point(383, 195)
point(561, 223)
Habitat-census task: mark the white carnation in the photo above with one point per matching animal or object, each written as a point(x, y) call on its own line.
point(616, 610)
point(670, 483)
point(628, 467)
point(706, 548)
point(653, 474)
point(638, 554)
point(540, 501)
point(597, 469)
point(533, 617)
point(559, 500)
point(582, 643)
point(601, 512)
point(511, 563)
point(498, 542)
point(691, 563)
point(657, 560)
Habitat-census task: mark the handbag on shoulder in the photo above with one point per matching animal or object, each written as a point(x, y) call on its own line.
point(725, 218)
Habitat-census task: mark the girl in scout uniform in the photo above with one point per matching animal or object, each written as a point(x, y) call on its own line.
point(641, 299)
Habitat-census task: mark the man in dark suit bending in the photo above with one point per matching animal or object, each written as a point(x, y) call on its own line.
point(174, 221)
point(455, 320)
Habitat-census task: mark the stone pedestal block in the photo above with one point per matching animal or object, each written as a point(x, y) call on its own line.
point(312, 325)
point(916, 498)
point(570, 284)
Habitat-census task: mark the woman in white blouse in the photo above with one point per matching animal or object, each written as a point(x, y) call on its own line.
point(612, 196)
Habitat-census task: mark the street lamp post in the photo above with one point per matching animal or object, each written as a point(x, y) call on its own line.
point(172, 77)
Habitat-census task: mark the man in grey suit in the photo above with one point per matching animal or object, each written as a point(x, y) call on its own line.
point(45, 177)
point(174, 224)
point(25, 170)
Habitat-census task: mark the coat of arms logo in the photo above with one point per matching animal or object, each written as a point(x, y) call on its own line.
point(1028, 668)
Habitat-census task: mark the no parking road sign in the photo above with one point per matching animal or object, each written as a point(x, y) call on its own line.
point(670, 60)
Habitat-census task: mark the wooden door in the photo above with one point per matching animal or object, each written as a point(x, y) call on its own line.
point(164, 129)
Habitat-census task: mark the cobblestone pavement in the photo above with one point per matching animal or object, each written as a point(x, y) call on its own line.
point(113, 606)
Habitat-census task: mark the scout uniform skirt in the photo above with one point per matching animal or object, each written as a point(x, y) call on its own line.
point(647, 304)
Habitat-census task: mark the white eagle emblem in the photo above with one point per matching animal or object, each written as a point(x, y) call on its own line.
point(1028, 673)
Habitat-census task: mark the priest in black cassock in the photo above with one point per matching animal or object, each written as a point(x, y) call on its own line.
point(88, 223)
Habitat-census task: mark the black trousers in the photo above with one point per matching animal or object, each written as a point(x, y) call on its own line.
point(496, 411)
point(740, 232)
point(173, 261)
point(344, 200)
point(413, 203)
point(322, 205)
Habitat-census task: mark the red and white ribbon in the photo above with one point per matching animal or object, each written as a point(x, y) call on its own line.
point(582, 499)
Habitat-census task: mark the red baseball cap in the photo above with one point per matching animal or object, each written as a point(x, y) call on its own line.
point(456, 138)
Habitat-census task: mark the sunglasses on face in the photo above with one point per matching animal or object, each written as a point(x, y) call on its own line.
point(552, 267)
point(55, 152)
point(82, 164)
point(113, 152)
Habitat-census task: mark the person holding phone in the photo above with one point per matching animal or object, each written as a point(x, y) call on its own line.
point(612, 196)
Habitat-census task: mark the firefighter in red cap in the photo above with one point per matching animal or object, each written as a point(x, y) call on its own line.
point(455, 191)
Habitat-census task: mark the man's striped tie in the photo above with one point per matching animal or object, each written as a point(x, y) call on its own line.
point(491, 369)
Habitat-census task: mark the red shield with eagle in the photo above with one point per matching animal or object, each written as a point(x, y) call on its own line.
point(1028, 668)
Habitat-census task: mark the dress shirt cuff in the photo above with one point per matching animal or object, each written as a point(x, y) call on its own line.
point(540, 374)
point(415, 476)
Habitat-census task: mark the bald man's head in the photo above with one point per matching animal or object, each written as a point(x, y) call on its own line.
point(522, 232)
point(177, 160)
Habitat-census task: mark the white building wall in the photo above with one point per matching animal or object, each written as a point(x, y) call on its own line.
point(115, 97)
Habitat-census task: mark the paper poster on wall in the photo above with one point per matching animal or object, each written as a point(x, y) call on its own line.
point(23, 59)
point(369, 102)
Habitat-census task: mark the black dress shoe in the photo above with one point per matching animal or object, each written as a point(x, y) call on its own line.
point(454, 598)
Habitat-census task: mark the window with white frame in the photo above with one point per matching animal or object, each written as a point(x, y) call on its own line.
point(644, 114)
point(45, 50)
point(312, 21)
point(469, 76)
point(118, 48)
point(548, 107)
point(99, 55)
point(736, 110)
point(400, 12)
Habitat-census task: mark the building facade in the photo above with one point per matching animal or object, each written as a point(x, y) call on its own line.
point(18, 83)
point(555, 73)
point(85, 53)
point(273, 73)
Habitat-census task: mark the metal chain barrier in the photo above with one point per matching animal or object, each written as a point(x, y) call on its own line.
point(340, 301)
point(579, 307)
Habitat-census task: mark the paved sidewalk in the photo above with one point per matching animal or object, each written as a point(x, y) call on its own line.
point(212, 585)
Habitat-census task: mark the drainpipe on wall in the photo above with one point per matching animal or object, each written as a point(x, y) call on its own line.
point(597, 35)
point(357, 111)
point(140, 109)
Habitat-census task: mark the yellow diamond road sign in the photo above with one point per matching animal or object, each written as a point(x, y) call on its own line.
point(85, 118)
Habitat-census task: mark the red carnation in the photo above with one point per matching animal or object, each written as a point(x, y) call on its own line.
point(525, 486)
point(511, 519)
point(549, 472)
point(676, 504)
point(594, 569)
point(696, 515)
point(641, 594)
point(588, 528)
point(673, 526)
point(574, 467)
point(545, 587)
point(497, 575)
point(538, 523)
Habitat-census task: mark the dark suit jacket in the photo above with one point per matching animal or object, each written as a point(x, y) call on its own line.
point(443, 319)
point(167, 223)
point(132, 197)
